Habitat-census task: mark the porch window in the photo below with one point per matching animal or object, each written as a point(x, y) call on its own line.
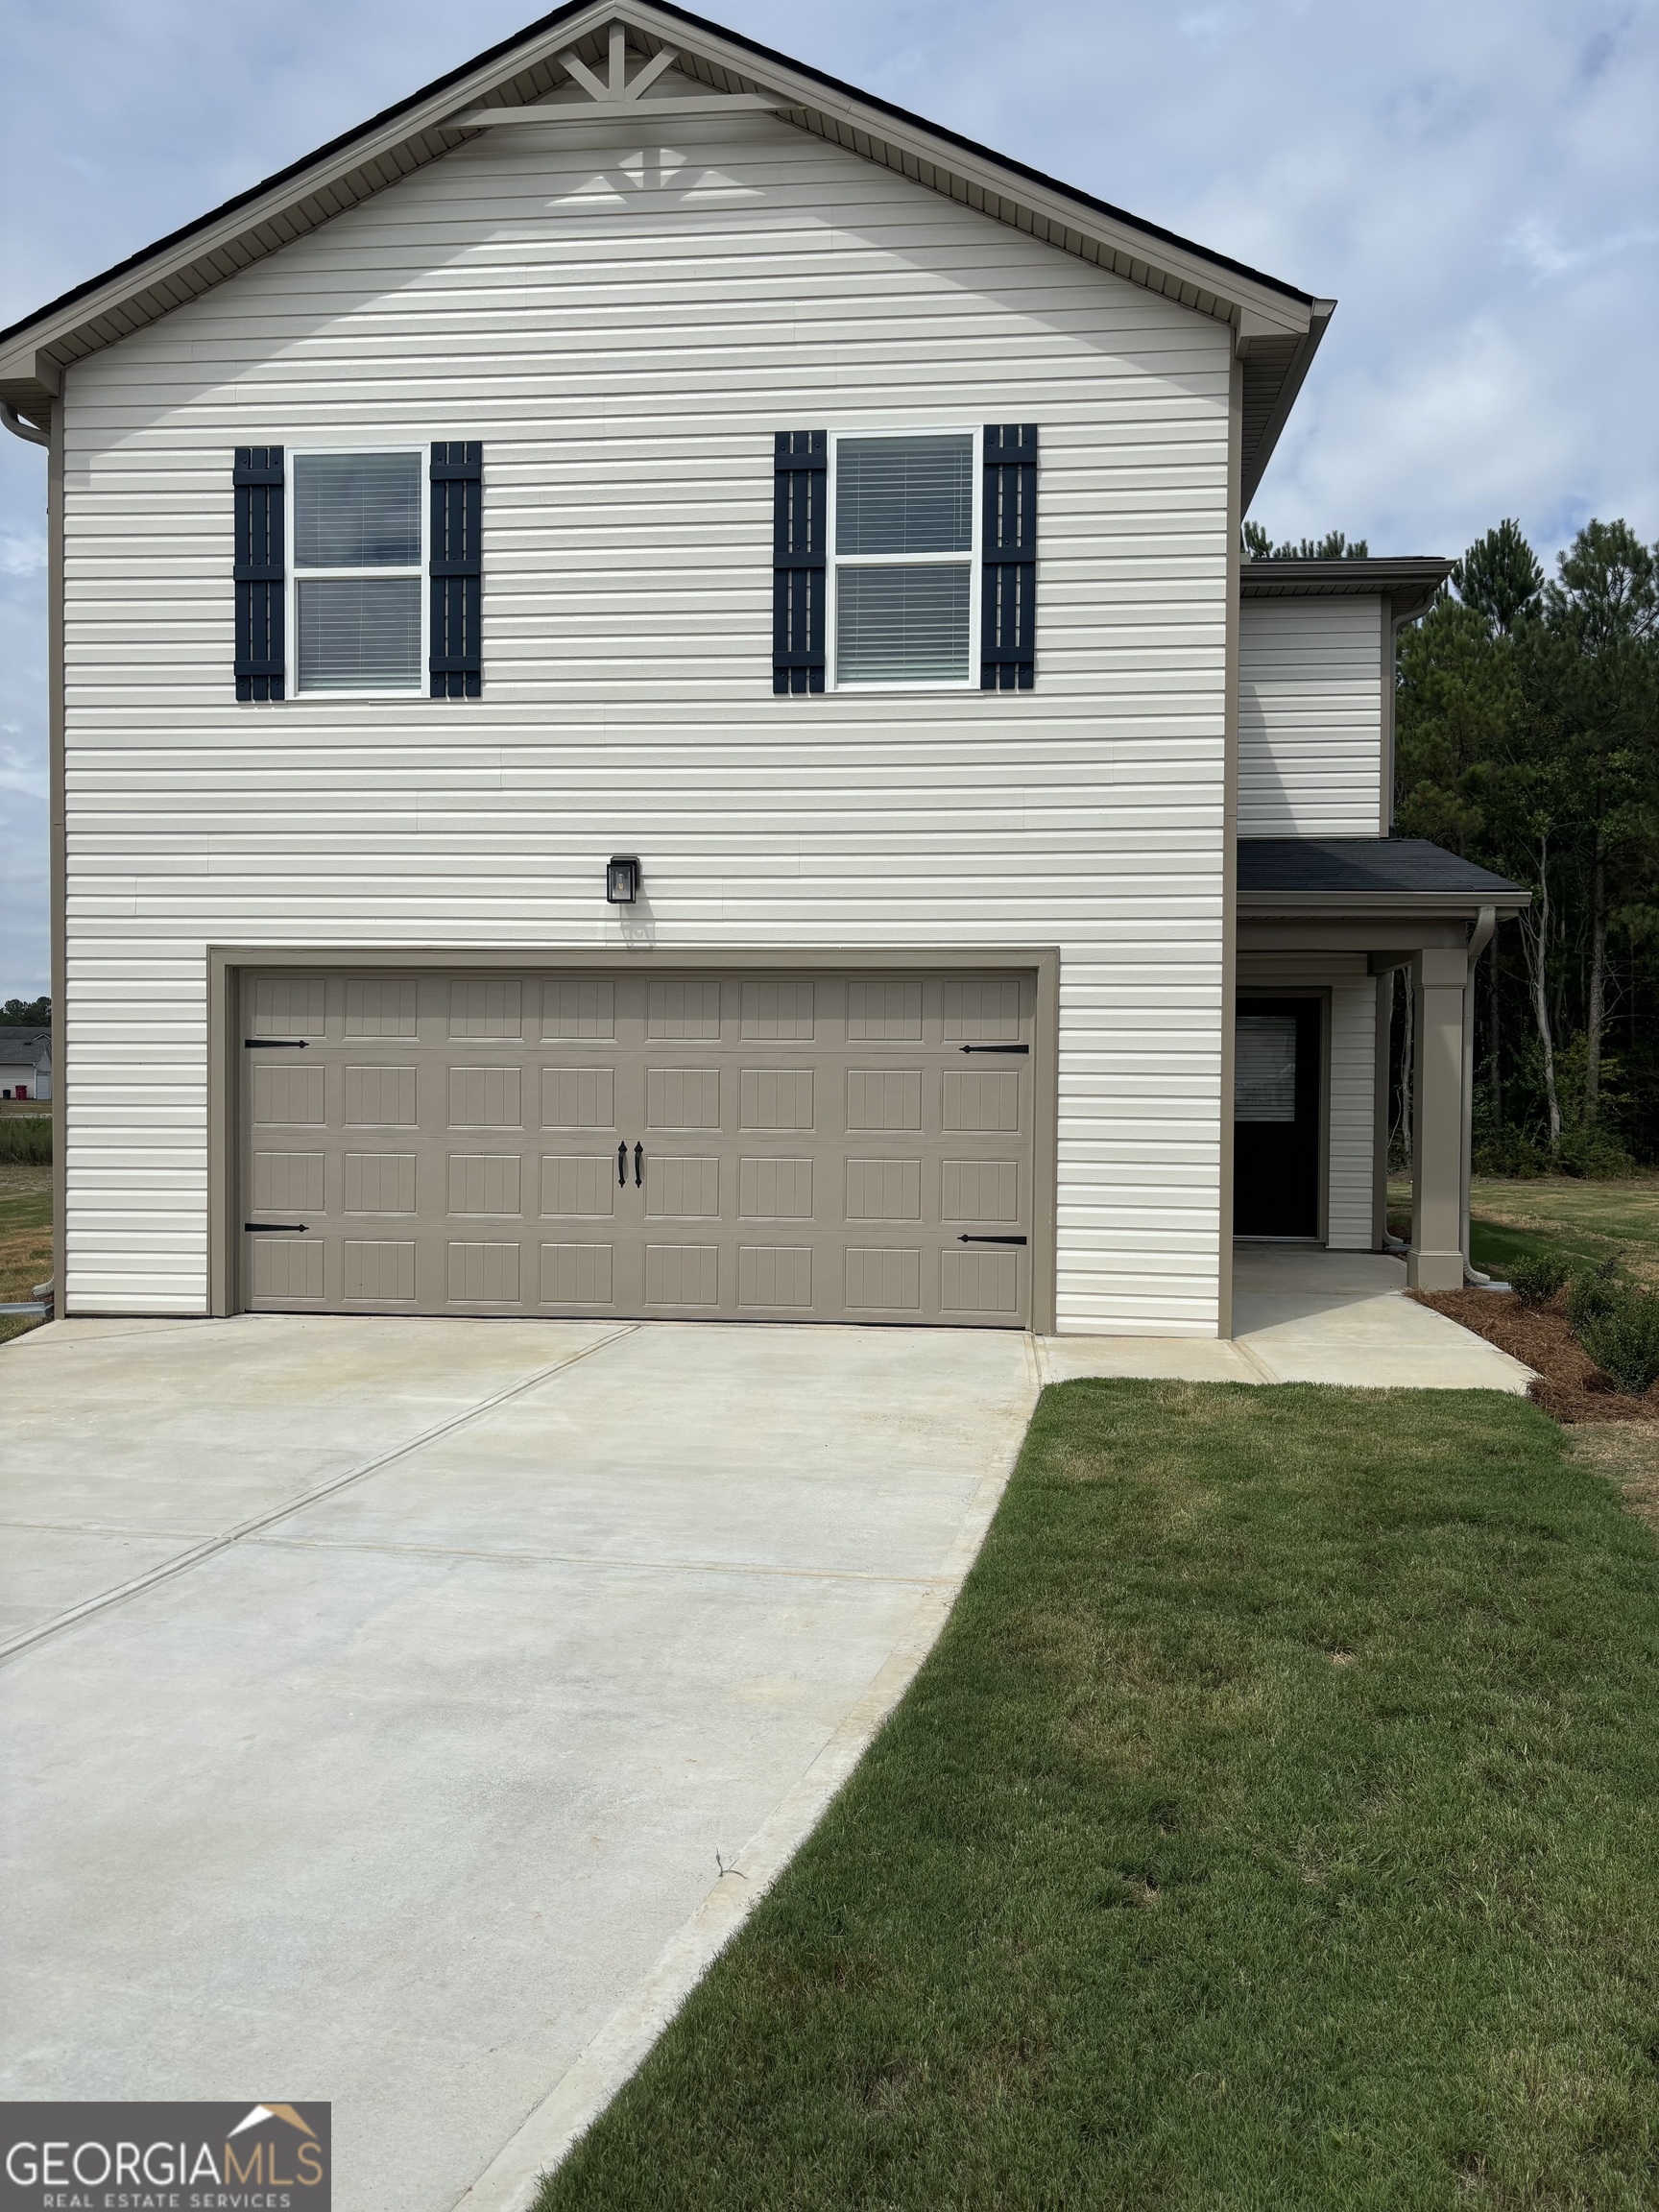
point(1264, 1067)
point(359, 572)
point(903, 559)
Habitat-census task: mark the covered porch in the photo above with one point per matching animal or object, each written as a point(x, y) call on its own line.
point(1322, 923)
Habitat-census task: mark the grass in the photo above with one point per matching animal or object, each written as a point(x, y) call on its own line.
point(25, 1238)
point(1276, 1824)
point(1582, 1220)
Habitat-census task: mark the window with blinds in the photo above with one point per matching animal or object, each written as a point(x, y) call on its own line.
point(359, 572)
point(903, 558)
point(1264, 1067)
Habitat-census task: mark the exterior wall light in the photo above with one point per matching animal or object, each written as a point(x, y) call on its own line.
point(623, 878)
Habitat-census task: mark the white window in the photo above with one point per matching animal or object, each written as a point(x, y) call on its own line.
point(903, 559)
point(358, 563)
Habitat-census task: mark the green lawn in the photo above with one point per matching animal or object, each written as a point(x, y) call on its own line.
point(1585, 1222)
point(25, 1238)
point(1276, 1824)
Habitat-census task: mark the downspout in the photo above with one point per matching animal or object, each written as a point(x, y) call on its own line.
point(1479, 938)
point(19, 428)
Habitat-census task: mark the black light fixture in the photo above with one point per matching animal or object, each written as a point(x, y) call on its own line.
point(623, 878)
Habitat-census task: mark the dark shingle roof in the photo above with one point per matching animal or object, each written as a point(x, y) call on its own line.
point(20, 1047)
point(1366, 866)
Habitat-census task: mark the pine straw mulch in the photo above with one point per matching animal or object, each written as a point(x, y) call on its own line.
point(1569, 1384)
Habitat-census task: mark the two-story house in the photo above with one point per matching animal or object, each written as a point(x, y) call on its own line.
point(656, 710)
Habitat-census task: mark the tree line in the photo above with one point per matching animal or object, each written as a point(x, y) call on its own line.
point(1527, 739)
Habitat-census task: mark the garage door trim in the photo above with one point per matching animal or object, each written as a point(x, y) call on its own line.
point(226, 965)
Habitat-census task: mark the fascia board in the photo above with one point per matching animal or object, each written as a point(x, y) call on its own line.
point(22, 365)
point(1366, 904)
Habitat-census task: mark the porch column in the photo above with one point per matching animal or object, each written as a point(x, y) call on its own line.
point(1437, 1262)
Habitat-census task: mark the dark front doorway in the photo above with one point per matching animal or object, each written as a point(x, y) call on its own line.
point(1276, 1065)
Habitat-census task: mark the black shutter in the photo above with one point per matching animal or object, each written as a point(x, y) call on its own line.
point(800, 498)
point(457, 662)
point(1008, 565)
point(258, 479)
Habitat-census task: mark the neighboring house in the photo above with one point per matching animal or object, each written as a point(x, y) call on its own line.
point(25, 1063)
point(659, 713)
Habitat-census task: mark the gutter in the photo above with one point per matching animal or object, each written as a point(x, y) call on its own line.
point(30, 432)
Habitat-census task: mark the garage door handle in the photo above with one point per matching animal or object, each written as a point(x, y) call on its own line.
point(991, 1239)
point(639, 1165)
point(622, 1166)
point(1020, 1048)
point(276, 1044)
point(276, 1227)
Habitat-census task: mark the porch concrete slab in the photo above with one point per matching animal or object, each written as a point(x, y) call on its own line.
point(400, 1795)
point(1301, 1314)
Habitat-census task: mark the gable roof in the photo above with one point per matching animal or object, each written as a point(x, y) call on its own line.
point(25, 1047)
point(1278, 326)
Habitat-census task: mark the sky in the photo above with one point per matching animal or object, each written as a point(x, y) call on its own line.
point(1476, 181)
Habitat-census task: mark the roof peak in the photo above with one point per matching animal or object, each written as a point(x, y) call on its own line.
point(1277, 325)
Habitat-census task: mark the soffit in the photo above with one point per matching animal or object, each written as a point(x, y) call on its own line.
point(1409, 581)
point(1276, 327)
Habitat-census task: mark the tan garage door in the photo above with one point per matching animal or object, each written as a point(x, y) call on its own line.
point(830, 1147)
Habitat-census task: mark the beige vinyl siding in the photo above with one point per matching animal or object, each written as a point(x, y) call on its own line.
point(1310, 718)
point(625, 335)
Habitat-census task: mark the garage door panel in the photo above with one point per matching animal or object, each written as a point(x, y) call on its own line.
point(682, 1275)
point(284, 1182)
point(821, 1147)
point(379, 1270)
point(883, 1189)
point(774, 1099)
point(978, 1282)
point(288, 1269)
point(779, 1010)
point(382, 1096)
point(484, 1272)
point(485, 1183)
point(578, 1098)
point(682, 1099)
point(579, 1185)
point(579, 1007)
point(577, 1275)
point(380, 1183)
point(884, 1278)
point(979, 1191)
point(775, 1275)
point(883, 1099)
point(777, 1189)
point(376, 1006)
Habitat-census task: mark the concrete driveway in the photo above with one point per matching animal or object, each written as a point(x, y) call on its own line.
point(382, 1698)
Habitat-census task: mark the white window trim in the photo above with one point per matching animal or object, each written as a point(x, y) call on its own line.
point(970, 561)
point(295, 576)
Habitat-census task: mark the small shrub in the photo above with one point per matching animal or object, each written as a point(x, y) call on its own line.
point(1595, 1292)
point(1536, 1279)
point(1624, 1341)
point(26, 1138)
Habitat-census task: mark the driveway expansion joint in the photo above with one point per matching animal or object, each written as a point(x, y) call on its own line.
point(256, 1523)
